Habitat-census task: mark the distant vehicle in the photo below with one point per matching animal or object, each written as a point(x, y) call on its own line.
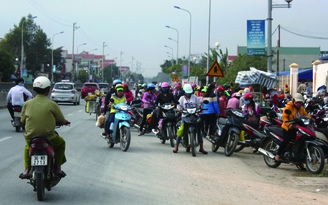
point(104, 87)
point(66, 92)
point(89, 87)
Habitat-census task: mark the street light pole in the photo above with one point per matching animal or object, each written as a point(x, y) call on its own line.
point(52, 56)
point(171, 50)
point(189, 39)
point(22, 48)
point(177, 48)
point(79, 46)
point(269, 34)
point(208, 41)
point(177, 41)
point(90, 62)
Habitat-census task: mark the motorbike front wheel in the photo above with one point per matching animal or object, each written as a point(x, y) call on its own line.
point(315, 162)
point(231, 143)
point(170, 134)
point(39, 186)
point(239, 147)
point(125, 138)
point(192, 138)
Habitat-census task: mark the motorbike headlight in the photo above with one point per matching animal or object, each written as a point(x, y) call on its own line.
point(191, 110)
point(237, 113)
point(124, 107)
point(306, 121)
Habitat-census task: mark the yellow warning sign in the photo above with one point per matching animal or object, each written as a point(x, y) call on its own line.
point(175, 78)
point(215, 70)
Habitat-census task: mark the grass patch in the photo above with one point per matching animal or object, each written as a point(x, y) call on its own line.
point(324, 173)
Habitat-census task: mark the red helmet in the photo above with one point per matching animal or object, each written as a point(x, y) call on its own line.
point(220, 88)
point(178, 84)
point(125, 85)
point(248, 96)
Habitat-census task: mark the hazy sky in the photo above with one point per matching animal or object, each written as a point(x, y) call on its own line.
point(137, 27)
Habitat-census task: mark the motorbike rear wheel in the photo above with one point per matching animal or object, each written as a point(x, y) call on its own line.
point(215, 147)
point(239, 147)
point(17, 128)
point(39, 186)
point(125, 138)
point(316, 161)
point(272, 147)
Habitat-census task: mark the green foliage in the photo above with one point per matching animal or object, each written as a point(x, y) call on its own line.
point(242, 63)
point(6, 66)
point(83, 76)
point(35, 41)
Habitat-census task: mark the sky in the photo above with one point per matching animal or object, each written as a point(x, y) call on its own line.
point(137, 28)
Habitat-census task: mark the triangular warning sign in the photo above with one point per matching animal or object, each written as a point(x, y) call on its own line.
point(215, 70)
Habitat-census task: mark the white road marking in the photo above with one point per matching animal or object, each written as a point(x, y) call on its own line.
point(5, 138)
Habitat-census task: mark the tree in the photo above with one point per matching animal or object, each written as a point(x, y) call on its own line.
point(242, 63)
point(83, 76)
point(36, 44)
point(6, 66)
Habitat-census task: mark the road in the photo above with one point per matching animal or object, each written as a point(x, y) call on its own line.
point(149, 173)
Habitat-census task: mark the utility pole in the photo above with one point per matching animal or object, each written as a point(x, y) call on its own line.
point(73, 64)
point(102, 63)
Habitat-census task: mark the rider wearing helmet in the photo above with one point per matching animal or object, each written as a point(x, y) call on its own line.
point(178, 91)
point(233, 102)
point(148, 100)
point(222, 100)
point(40, 115)
point(252, 109)
point(296, 108)
point(117, 97)
point(107, 98)
point(128, 93)
point(188, 99)
point(164, 97)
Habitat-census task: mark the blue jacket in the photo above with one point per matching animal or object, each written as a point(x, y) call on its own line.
point(213, 106)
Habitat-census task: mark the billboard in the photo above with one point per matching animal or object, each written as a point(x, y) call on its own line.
point(256, 37)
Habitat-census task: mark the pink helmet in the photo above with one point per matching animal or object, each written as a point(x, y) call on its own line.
point(165, 85)
point(178, 84)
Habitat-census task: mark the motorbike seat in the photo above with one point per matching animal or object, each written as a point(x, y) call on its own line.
point(276, 130)
point(222, 120)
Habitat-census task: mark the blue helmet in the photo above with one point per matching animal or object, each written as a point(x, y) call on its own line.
point(116, 81)
point(150, 85)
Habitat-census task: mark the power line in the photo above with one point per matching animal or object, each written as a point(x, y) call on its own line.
point(303, 35)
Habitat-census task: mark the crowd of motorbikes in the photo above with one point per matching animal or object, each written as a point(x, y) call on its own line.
point(233, 133)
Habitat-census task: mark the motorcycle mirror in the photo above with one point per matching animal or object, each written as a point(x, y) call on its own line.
point(205, 101)
point(288, 112)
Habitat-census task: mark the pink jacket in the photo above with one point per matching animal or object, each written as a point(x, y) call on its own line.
point(128, 96)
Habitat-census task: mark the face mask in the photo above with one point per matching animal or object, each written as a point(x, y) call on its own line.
point(297, 104)
point(21, 84)
point(247, 102)
point(188, 95)
point(165, 90)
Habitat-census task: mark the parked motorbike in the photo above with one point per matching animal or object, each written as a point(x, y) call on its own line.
point(228, 130)
point(168, 123)
point(305, 148)
point(192, 123)
point(121, 127)
point(252, 136)
point(43, 171)
point(17, 117)
point(136, 113)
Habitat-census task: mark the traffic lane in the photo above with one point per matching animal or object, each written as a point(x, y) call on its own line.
point(149, 173)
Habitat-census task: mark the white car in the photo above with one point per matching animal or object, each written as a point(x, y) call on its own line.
point(65, 92)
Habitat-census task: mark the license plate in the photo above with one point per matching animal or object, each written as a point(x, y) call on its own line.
point(17, 114)
point(39, 160)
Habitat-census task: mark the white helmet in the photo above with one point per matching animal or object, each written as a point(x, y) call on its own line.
point(187, 88)
point(41, 82)
point(298, 97)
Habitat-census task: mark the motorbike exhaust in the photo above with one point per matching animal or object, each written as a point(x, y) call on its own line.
point(211, 140)
point(136, 126)
point(266, 153)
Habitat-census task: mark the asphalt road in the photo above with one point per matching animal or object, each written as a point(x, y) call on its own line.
point(149, 173)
